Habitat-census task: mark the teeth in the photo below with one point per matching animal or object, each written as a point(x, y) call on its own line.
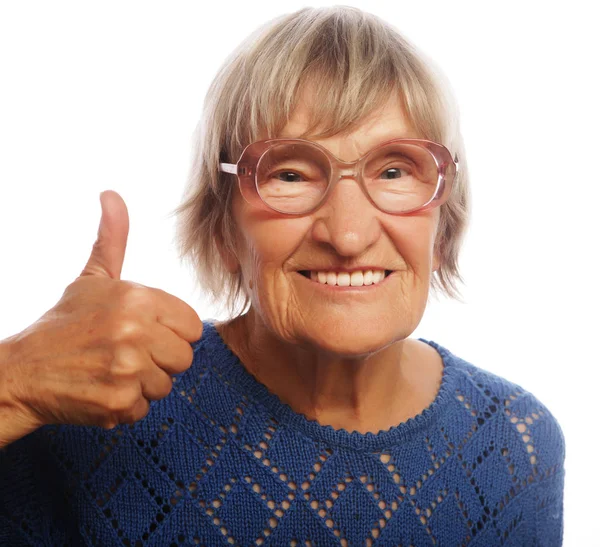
point(357, 279)
point(345, 279)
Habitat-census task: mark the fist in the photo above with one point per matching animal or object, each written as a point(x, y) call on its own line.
point(108, 347)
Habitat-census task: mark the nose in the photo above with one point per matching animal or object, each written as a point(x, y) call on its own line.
point(347, 221)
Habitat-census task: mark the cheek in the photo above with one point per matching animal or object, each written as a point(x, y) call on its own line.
point(269, 246)
point(269, 243)
point(413, 240)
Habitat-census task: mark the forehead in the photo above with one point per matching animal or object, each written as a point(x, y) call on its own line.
point(388, 122)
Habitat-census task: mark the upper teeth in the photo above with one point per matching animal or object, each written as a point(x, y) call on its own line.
point(345, 279)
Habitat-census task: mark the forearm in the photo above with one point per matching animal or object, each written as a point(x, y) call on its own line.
point(15, 422)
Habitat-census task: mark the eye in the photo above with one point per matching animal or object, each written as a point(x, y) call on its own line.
point(286, 176)
point(396, 172)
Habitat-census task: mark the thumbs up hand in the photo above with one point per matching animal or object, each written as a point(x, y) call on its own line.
point(106, 349)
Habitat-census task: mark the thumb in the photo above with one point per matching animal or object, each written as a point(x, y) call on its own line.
point(108, 252)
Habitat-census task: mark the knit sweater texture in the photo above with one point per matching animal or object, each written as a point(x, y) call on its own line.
point(222, 461)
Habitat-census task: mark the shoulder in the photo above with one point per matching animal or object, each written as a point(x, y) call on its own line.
point(525, 416)
point(507, 427)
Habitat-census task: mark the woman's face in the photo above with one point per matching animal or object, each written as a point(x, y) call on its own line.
point(345, 233)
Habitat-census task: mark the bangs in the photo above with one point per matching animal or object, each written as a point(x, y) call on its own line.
point(335, 106)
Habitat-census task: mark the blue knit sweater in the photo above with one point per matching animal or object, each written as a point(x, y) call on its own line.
point(222, 461)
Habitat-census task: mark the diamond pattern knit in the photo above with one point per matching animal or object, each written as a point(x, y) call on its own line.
point(222, 461)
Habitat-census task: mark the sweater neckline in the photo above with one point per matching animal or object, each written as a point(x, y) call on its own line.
point(231, 370)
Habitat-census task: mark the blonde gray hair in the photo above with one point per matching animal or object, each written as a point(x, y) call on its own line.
point(355, 60)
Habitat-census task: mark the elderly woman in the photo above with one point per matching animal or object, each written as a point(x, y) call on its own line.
point(328, 191)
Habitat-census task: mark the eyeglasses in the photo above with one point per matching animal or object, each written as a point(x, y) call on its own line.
point(295, 176)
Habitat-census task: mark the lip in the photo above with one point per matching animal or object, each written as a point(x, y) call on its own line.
point(350, 288)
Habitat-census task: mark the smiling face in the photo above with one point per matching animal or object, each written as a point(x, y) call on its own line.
point(346, 233)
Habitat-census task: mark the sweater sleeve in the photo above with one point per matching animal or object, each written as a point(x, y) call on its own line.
point(550, 514)
point(550, 493)
point(17, 494)
point(33, 503)
point(546, 448)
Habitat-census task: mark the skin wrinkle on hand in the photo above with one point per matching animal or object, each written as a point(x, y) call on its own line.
point(344, 360)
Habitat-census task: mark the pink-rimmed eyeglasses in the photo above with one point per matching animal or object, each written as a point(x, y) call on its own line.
point(295, 176)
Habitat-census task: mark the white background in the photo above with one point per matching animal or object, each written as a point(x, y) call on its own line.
point(97, 96)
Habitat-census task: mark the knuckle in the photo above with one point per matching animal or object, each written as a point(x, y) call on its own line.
point(136, 298)
point(126, 362)
point(125, 329)
point(122, 400)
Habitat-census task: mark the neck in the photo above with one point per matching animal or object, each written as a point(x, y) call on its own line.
point(364, 394)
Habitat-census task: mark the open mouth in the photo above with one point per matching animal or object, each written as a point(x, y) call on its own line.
point(306, 273)
point(344, 280)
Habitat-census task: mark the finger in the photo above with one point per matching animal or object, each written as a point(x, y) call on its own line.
point(108, 253)
point(168, 351)
point(175, 314)
point(156, 383)
point(138, 412)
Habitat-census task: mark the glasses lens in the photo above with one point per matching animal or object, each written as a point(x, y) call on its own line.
point(293, 178)
point(401, 176)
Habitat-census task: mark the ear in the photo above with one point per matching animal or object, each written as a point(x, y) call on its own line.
point(227, 257)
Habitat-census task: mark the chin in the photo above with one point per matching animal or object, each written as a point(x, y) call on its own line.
point(354, 342)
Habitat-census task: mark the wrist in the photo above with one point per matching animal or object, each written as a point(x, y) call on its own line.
point(15, 420)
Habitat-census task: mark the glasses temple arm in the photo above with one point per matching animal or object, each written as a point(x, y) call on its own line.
point(228, 168)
